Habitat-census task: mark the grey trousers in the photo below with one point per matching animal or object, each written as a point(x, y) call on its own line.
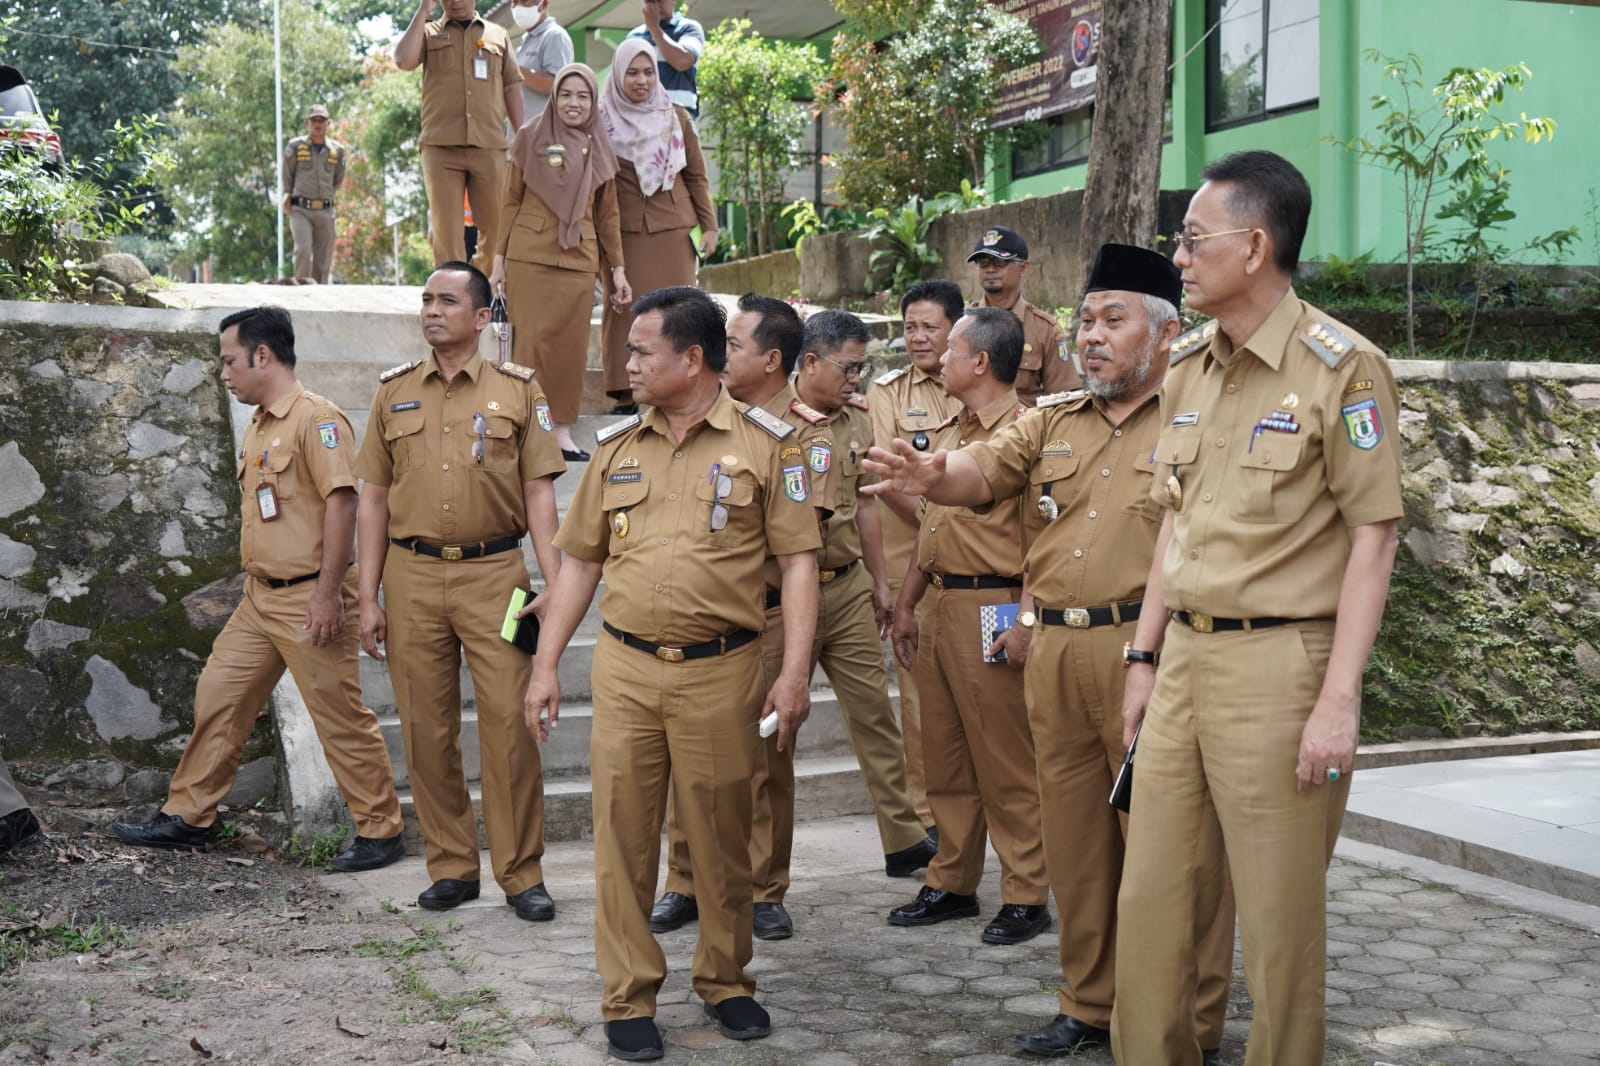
point(10, 798)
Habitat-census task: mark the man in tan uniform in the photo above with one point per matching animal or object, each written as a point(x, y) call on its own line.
point(908, 402)
point(979, 752)
point(313, 170)
point(763, 345)
point(679, 510)
point(1001, 256)
point(856, 611)
point(297, 527)
point(470, 86)
point(1280, 471)
point(458, 464)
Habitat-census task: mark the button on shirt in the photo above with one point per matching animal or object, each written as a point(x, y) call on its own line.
point(303, 447)
point(459, 109)
point(962, 540)
point(851, 430)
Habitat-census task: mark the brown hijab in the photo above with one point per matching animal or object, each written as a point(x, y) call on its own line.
point(564, 165)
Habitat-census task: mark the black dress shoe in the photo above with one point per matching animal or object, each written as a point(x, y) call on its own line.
point(1017, 923)
point(1064, 1036)
point(772, 922)
point(629, 408)
point(672, 911)
point(634, 1039)
point(933, 906)
point(165, 831)
point(370, 853)
point(575, 455)
point(19, 829)
point(740, 1018)
point(446, 893)
point(1211, 1058)
point(533, 904)
point(907, 862)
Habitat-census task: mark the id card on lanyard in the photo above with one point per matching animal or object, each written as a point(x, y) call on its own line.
point(480, 66)
point(266, 495)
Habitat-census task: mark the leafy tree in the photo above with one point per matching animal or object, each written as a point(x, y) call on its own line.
point(381, 129)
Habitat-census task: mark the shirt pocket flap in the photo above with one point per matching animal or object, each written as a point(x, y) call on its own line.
point(278, 462)
point(402, 424)
point(616, 496)
point(1277, 454)
point(1032, 358)
point(910, 423)
point(1052, 468)
point(1178, 449)
point(500, 428)
point(740, 492)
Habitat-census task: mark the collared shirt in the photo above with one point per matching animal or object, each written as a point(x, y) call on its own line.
point(905, 402)
point(851, 429)
point(302, 446)
point(817, 448)
point(1046, 355)
point(647, 507)
point(420, 442)
point(313, 170)
point(1097, 549)
point(961, 540)
point(680, 85)
point(1263, 512)
point(459, 109)
point(544, 49)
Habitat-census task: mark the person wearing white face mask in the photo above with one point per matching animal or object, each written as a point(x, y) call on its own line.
point(544, 49)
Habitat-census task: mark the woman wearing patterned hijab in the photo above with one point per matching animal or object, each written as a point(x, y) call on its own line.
point(559, 220)
point(661, 192)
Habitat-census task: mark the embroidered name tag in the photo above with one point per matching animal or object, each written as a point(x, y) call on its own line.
point(409, 405)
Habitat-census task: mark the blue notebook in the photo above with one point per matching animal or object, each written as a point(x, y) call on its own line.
point(993, 621)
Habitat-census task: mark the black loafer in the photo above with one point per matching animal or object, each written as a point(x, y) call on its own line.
point(906, 863)
point(19, 829)
point(772, 922)
point(370, 853)
point(1017, 923)
point(533, 904)
point(1211, 1058)
point(634, 1039)
point(575, 455)
point(165, 831)
point(446, 893)
point(933, 906)
point(1064, 1036)
point(740, 1018)
point(672, 911)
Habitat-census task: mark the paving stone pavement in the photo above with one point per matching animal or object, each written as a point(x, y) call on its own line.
point(1427, 966)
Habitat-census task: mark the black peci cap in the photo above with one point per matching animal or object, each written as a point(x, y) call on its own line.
point(1129, 269)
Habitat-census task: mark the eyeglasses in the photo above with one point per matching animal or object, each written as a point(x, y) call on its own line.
point(851, 370)
point(1187, 241)
point(724, 487)
point(480, 428)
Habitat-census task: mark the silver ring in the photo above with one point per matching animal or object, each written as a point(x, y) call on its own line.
point(1333, 775)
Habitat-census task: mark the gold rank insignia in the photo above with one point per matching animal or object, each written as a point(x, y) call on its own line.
point(1054, 398)
point(890, 376)
point(521, 373)
point(605, 433)
point(807, 412)
point(858, 400)
point(1328, 343)
point(396, 371)
point(768, 421)
point(1192, 342)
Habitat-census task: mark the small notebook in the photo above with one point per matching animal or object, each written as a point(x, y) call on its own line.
point(523, 632)
point(1122, 788)
point(993, 621)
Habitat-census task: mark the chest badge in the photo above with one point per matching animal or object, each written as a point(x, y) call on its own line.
point(920, 441)
point(1174, 493)
point(1291, 401)
point(494, 405)
point(1048, 508)
point(556, 155)
point(619, 524)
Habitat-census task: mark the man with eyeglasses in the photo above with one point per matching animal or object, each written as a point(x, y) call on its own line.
point(1001, 256)
point(459, 462)
point(855, 612)
point(1279, 471)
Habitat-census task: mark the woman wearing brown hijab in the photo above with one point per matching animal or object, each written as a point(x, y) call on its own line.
point(560, 214)
point(661, 191)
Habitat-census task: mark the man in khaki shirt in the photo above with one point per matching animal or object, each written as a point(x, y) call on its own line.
point(313, 170)
point(297, 526)
point(471, 86)
point(1001, 256)
point(679, 511)
point(1279, 467)
point(459, 462)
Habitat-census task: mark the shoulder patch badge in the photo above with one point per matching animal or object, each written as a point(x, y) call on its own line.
point(796, 484)
point(329, 433)
point(1327, 343)
point(890, 376)
point(1191, 342)
point(396, 371)
point(605, 433)
point(541, 413)
point(820, 457)
point(860, 401)
point(516, 370)
point(1363, 423)
point(807, 412)
point(768, 421)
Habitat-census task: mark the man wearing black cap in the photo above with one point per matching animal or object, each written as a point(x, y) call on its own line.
point(1083, 466)
point(1001, 256)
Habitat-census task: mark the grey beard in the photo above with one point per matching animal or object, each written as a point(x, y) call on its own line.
point(1133, 381)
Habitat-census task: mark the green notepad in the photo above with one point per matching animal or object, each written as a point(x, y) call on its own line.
point(523, 632)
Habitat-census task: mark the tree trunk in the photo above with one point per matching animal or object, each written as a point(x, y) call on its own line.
point(1121, 192)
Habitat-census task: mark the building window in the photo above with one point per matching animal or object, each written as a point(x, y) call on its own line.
point(1065, 142)
point(1262, 58)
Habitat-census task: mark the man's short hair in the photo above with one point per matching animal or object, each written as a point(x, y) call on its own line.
point(828, 331)
point(777, 326)
point(999, 332)
point(477, 283)
point(690, 317)
point(947, 294)
point(269, 325)
point(1267, 190)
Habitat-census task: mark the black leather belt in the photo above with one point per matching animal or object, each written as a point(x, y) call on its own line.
point(826, 574)
point(308, 202)
point(285, 582)
point(774, 598)
point(982, 581)
point(453, 552)
point(723, 644)
point(1091, 617)
point(1205, 623)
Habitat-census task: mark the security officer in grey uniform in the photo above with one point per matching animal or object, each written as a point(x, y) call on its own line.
point(313, 170)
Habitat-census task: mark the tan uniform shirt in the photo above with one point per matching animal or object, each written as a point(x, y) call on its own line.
point(460, 109)
point(645, 510)
point(420, 444)
point(531, 233)
point(1046, 354)
point(905, 403)
point(303, 447)
point(817, 447)
point(851, 429)
point(1262, 511)
point(683, 206)
point(314, 171)
point(1097, 549)
point(960, 540)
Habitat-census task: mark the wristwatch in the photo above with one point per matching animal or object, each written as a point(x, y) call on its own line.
point(1027, 619)
point(1131, 655)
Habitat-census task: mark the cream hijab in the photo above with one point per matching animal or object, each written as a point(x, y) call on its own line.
point(646, 135)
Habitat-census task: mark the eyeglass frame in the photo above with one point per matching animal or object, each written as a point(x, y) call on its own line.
point(482, 434)
point(851, 370)
point(1187, 241)
point(722, 488)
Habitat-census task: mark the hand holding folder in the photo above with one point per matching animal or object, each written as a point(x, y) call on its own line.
point(522, 631)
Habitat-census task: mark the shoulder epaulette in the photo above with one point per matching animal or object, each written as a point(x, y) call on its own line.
point(1328, 343)
point(1056, 398)
point(858, 400)
point(1192, 342)
point(890, 376)
point(516, 370)
point(807, 412)
point(396, 371)
point(605, 433)
point(768, 421)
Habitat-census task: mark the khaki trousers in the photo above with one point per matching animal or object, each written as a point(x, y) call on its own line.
point(978, 752)
point(313, 242)
point(852, 656)
point(1075, 680)
point(910, 713)
point(266, 634)
point(438, 610)
point(697, 724)
point(447, 173)
point(1217, 759)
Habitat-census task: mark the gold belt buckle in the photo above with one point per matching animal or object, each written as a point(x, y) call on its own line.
point(1076, 617)
point(670, 655)
point(450, 553)
point(825, 576)
point(1202, 623)
point(937, 580)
